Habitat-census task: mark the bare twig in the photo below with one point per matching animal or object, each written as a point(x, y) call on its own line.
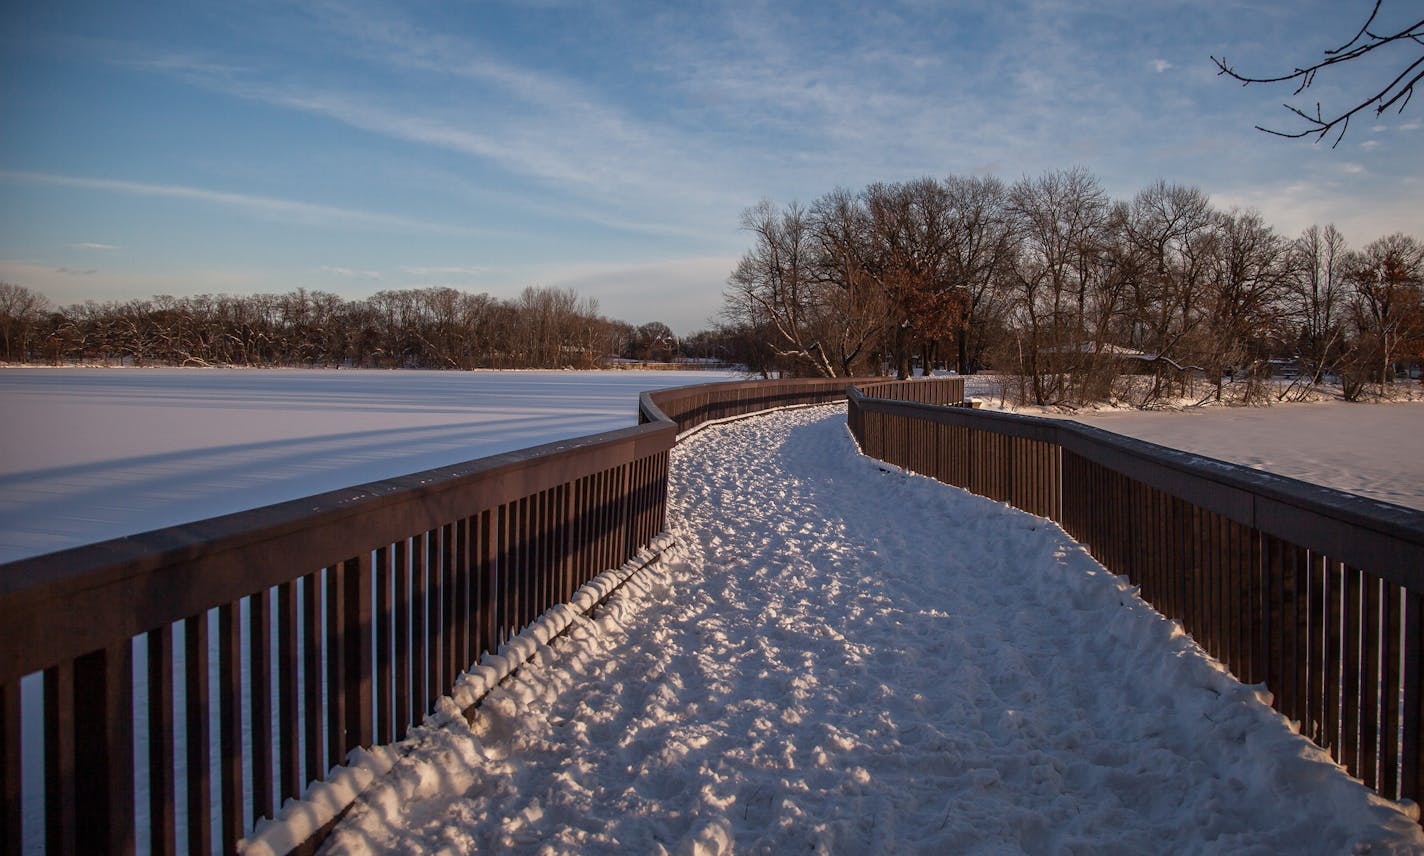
point(1398, 91)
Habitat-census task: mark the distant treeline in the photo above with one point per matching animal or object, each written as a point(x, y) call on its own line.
point(1075, 295)
point(422, 328)
point(1053, 282)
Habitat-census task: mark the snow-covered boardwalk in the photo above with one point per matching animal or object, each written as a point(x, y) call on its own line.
point(841, 658)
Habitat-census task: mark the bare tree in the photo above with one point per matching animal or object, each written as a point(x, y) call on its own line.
point(981, 236)
point(1397, 90)
point(1168, 229)
point(773, 287)
point(857, 308)
point(909, 231)
point(21, 311)
point(1061, 222)
point(1246, 283)
point(1387, 307)
point(1318, 296)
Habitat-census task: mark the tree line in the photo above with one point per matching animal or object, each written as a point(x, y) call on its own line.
point(1052, 281)
point(1076, 296)
point(432, 328)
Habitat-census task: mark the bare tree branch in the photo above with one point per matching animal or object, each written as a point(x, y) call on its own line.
point(1398, 91)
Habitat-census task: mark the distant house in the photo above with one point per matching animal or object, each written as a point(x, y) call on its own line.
point(1129, 360)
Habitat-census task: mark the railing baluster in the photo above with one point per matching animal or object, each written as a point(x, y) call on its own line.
point(527, 570)
point(61, 805)
point(288, 687)
point(1316, 679)
point(198, 768)
point(313, 646)
point(449, 612)
point(103, 753)
point(433, 679)
point(1412, 743)
point(230, 721)
point(1297, 630)
point(402, 607)
point(11, 736)
point(1352, 672)
point(259, 638)
point(356, 613)
point(1392, 670)
point(420, 624)
point(384, 630)
point(161, 791)
point(460, 626)
point(1334, 642)
point(334, 645)
point(504, 575)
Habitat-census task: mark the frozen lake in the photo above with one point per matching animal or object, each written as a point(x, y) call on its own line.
point(1375, 450)
point(92, 454)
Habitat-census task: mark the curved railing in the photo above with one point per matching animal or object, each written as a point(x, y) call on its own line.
point(1317, 593)
point(693, 406)
point(360, 606)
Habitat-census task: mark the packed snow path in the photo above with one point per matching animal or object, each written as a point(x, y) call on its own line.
point(846, 658)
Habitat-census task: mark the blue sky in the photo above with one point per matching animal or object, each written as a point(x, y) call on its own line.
point(241, 147)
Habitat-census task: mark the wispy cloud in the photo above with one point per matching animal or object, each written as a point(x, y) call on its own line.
point(351, 272)
point(533, 124)
point(75, 272)
point(264, 206)
point(452, 270)
point(1160, 65)
point(90, 245)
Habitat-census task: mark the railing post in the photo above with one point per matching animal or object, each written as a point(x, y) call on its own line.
point(61, 804)
point(1412, 746)
point(10, 742)
point(259, 639)
point(313, 640)
point(357, 658)
point(196, 764)
point(103, 753)
point(230, 721)
point(161, 792)
point(290, 785)
point(335, 666)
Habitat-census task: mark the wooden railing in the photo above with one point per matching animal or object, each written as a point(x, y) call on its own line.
point(361, 607)
point(1316, 593)
point(693, 406)
point(382, 595)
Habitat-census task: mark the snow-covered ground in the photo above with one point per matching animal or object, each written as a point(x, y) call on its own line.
point(1372, 449)
point(90, 454)
point(1375, 450)
point(849, 659)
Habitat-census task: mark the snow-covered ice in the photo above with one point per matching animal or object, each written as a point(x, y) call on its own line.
point(1375, 450)
point(90, 454)
point(843, 657)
